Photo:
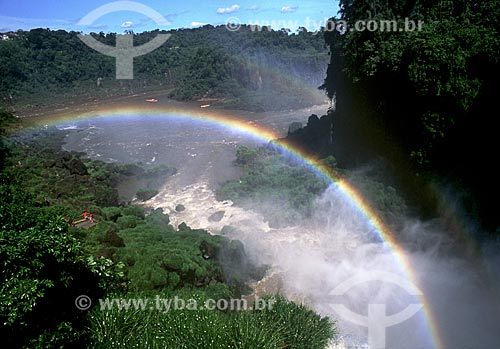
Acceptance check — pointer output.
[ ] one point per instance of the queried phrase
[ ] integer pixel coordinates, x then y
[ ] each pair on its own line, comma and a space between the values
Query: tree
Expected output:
43, 271
428, 90
6, 119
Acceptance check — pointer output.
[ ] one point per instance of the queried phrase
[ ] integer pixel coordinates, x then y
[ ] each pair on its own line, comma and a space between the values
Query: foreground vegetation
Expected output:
285, 325
50, 257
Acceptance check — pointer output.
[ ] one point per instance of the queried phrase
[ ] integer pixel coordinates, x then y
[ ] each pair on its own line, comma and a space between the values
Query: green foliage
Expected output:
134, 211
245, 155
383, 198
6, 119
159, 257
179, 329
41, 66
43, 270
58, 177
46, 265
281, 189
421, 97
126, 222
146, 193
158, 218
285, 325
154, 254
435, 70
112, 213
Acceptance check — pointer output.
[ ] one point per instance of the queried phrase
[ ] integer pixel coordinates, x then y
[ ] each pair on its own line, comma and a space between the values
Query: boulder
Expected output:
216, 217
76, 166
183, 227
208, 250
293, 127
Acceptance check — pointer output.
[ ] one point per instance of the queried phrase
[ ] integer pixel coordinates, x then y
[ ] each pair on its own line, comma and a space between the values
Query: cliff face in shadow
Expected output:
421, 100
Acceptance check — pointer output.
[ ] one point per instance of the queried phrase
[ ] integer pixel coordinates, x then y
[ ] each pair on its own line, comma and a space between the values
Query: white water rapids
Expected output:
313, 256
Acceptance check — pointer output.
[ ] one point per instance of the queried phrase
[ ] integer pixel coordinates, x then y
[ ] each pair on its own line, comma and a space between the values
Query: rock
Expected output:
208, 250
294, 126
183, 226
216, 217
130, 170
180, 208
76, 166
65, 156
146, 193
227, 229
49, 163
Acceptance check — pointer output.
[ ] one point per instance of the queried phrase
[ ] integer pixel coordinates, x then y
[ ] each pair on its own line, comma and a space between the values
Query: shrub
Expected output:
125, 222
146, 193
287, 325
111, 213
43, 271
135, 211
245, 155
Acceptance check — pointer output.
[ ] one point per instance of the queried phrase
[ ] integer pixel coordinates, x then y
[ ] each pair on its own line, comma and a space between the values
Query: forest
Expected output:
426, 99
421, 102
49, 256
46, 67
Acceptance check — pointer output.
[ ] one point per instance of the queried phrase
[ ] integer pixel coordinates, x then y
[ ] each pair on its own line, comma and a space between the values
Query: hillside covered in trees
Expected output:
423, 101
240, 68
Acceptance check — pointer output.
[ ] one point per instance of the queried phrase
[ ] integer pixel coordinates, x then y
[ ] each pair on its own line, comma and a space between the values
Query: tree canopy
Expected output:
430, 92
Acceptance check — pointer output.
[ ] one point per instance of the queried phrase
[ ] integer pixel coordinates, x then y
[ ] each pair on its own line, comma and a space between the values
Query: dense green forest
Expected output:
50, 256
424, 99
242, 68
283, 190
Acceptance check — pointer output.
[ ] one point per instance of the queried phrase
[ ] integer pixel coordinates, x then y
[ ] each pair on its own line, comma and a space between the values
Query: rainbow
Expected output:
255, 131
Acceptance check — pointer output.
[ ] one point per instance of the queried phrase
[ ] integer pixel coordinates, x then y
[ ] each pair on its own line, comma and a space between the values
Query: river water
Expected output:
312, 258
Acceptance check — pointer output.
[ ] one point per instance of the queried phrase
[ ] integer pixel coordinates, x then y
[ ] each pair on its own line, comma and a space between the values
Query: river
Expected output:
313, 257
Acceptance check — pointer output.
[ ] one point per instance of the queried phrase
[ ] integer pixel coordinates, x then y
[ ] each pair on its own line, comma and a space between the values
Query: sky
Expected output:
119, 16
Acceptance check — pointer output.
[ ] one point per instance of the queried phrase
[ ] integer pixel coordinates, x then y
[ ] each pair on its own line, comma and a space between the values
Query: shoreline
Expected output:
139, 99
277, 121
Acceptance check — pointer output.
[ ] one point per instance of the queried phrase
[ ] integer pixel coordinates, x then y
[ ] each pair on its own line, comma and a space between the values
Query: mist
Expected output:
337, 244
311, 256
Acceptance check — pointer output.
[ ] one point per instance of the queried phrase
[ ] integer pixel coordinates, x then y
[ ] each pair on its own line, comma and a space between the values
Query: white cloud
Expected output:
252, 8
198, 24
288, 9
231, 9
14, 23
127, 24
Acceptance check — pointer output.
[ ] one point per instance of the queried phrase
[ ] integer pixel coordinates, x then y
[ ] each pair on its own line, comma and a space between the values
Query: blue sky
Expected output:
66, 14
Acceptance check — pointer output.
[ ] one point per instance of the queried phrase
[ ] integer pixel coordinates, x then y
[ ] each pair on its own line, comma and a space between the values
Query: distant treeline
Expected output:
44, 66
